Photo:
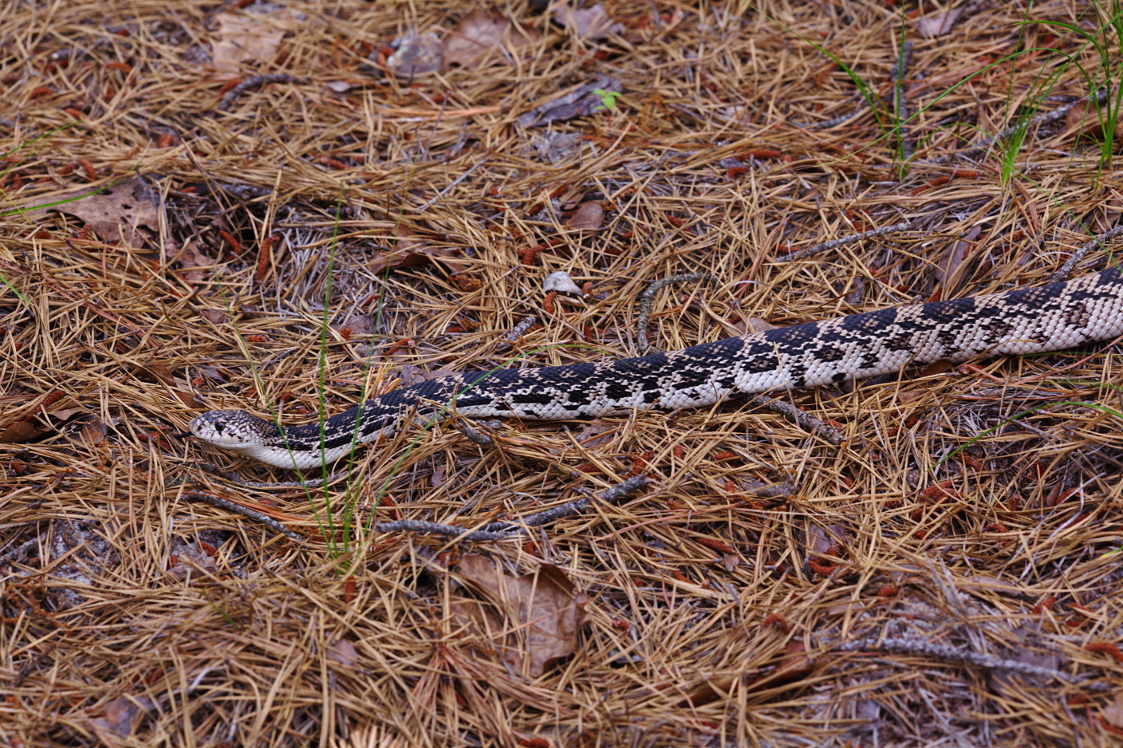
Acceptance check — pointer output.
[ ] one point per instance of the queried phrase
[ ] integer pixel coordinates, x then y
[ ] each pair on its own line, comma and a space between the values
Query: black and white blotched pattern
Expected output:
1043, 318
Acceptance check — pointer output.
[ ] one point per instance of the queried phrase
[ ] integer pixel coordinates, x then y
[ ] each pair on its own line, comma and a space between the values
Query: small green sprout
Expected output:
607, 99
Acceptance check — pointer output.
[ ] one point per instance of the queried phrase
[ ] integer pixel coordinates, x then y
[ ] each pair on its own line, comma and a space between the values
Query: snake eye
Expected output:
220, 426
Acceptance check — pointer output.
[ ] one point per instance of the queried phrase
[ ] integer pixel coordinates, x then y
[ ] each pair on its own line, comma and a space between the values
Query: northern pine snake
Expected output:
1042, 318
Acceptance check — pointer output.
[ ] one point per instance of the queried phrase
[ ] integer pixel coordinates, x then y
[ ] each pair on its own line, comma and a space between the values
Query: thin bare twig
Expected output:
948, 653
645, 303
515, 333
610, 496
436, 528
800, 254
1082, 250
507, 530
256, 81
245, 511
1041, 119
431, 201
802, 418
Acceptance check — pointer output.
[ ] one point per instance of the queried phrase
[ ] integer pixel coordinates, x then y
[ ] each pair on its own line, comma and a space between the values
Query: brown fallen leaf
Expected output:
115, 213
590, 23
343, 652
411, 252
118, 718
580, 102
159, 370
217, 316
543, 607
1113, 712
18, 432
479, 34
93, 433
588, 217
356, 326
250, 37
482, 618
952, 264
794, 666
188, 560
938, 24
189, 399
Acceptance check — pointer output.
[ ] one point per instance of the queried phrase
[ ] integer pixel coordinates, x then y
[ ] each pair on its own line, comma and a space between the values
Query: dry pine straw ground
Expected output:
704, 610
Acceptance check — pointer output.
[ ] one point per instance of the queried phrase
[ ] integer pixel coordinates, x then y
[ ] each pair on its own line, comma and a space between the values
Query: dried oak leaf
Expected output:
116, 213
543, 607
195, 265
587, 23
938, 24
580, 102
118, 718
248, 36
588, 217
412, 252
1113, 712
480, 33
20, 431
792, 668
343, 652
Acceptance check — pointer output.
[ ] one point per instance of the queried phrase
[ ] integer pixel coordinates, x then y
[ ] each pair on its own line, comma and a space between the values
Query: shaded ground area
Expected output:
304, 203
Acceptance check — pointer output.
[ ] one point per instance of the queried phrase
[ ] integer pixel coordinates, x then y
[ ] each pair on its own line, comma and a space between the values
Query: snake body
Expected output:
1042, 318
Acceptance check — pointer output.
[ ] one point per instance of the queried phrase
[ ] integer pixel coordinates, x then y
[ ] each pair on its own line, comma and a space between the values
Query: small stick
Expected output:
516, 332
832, 122
245, 511
429, 203
802, 418
256, 81
611, 496
1084, 249
954, 654
507, 530
436, 528
800, 254
476, 436
1041, 119
645, 302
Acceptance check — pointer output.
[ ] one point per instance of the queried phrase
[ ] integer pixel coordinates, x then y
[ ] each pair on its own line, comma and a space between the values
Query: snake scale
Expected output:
1042, 318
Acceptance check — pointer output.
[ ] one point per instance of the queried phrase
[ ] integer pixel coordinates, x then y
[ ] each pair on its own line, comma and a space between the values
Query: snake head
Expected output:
234, 429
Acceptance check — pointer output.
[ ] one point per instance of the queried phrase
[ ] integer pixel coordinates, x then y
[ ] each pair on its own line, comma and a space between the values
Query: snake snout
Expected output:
224, 428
